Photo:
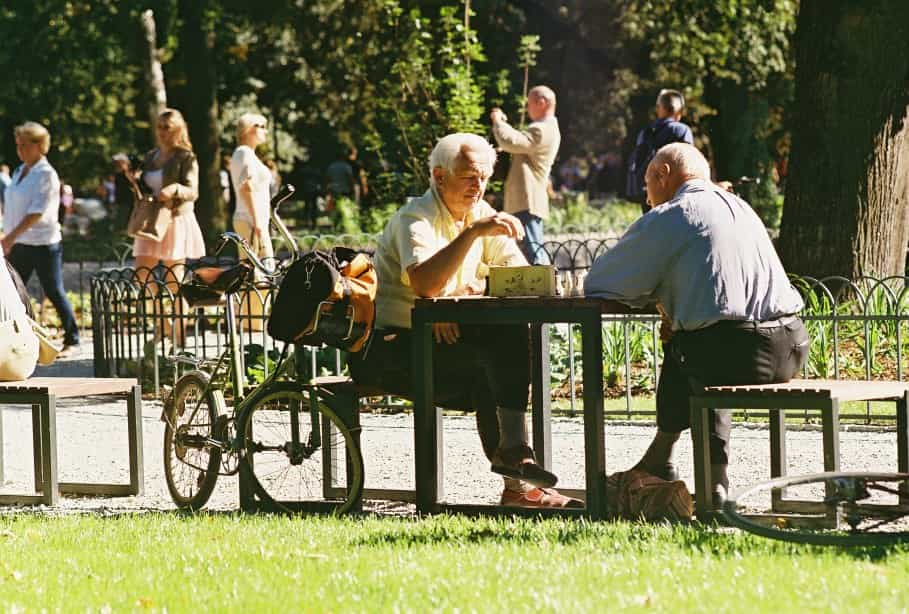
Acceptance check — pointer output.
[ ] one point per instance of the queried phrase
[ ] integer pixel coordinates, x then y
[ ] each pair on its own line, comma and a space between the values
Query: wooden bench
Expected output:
823, 395
42, 394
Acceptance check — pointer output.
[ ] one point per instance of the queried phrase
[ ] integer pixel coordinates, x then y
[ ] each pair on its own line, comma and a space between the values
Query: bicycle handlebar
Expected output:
243, 245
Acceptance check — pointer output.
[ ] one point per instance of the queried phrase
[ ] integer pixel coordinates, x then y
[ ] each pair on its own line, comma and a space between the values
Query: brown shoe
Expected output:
539, 497
519, 463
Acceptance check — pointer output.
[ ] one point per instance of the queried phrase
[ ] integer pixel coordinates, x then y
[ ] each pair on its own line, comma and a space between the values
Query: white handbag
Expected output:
18, 350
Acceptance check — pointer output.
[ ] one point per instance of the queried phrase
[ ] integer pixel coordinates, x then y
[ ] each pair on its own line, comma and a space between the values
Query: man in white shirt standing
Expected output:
532, 153
442, 244
704, 257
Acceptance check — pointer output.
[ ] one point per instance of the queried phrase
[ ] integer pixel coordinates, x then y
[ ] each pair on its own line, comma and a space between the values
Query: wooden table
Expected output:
537, 312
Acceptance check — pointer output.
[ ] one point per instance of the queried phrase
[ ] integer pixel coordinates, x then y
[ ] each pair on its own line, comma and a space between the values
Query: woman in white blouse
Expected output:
33, 242
251, 179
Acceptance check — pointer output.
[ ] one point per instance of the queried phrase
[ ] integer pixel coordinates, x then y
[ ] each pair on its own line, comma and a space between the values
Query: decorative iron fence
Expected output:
856, 326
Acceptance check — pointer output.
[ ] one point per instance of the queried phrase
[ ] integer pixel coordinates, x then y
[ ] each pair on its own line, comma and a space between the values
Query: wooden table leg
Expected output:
48, 435
594, 437
902, 443
427, 421
541, 412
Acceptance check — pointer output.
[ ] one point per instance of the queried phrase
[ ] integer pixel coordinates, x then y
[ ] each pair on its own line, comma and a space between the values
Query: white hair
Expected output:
684, 159
448, 150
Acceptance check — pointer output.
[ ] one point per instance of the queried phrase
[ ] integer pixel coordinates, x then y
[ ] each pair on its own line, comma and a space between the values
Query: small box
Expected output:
531, 280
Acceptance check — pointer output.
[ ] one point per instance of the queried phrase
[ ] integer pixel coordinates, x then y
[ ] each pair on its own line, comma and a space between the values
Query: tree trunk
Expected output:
154, 76
846, 197
201, 112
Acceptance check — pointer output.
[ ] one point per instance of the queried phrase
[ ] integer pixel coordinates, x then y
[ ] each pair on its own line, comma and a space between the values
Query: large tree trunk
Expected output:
154, 76
846, 197
202, 112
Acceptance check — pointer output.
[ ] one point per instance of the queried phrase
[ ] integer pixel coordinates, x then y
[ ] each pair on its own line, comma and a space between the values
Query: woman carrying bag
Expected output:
170, 174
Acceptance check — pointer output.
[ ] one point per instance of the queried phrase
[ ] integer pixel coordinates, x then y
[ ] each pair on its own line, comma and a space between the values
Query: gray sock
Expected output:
661, 450
512, 428
719, 478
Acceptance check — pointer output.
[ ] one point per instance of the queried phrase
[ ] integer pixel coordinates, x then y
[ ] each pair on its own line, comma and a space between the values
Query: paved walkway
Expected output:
92, 447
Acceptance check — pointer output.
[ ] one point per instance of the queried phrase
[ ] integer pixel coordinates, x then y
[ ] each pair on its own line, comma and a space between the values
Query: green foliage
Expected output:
574, 213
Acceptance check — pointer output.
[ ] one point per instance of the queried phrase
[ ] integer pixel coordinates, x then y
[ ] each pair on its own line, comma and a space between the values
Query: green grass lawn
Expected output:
219, 563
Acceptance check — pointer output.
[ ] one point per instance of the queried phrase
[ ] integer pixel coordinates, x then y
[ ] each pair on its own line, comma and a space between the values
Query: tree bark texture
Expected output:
847, 194
197, 37
154, 76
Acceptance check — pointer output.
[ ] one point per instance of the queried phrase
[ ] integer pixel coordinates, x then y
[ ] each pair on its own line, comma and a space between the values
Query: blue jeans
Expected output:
47, 261
532, 246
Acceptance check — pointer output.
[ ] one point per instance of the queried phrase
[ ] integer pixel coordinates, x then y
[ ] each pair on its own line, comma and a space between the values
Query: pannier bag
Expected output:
326, 297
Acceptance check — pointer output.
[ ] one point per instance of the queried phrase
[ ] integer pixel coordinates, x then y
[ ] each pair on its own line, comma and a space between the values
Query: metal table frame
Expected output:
537, 312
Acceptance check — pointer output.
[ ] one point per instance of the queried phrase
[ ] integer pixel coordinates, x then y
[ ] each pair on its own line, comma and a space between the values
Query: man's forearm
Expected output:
428, 278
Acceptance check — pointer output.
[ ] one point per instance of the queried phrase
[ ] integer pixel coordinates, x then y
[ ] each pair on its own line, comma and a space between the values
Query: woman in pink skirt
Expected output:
170, 173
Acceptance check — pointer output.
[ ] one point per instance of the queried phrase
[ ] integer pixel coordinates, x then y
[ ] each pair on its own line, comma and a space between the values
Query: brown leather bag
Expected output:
149, 219
638, 495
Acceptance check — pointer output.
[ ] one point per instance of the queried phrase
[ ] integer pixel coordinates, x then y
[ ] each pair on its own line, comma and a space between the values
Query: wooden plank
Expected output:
67, 387
857, 390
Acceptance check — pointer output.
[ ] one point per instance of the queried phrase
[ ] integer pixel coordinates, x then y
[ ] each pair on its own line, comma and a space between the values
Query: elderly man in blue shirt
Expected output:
729, 312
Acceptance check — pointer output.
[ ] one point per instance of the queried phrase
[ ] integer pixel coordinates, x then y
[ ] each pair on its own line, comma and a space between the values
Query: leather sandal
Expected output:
539, 497
519, 463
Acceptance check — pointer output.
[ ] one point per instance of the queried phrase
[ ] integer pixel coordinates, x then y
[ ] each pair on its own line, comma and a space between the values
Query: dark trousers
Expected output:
489, 367
726, 353
47, 261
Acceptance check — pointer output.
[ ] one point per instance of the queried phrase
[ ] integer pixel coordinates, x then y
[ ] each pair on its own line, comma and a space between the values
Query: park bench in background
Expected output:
823, 395
41, 393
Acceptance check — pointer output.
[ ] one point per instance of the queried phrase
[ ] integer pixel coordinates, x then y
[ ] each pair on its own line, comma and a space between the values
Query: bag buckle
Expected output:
351, 315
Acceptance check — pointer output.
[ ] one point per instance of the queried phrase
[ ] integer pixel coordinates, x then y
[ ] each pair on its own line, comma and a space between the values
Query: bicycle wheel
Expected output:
296, 456
827, 509
190, 460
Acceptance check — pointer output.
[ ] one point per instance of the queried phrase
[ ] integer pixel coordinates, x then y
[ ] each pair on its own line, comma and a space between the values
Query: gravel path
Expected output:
91, 437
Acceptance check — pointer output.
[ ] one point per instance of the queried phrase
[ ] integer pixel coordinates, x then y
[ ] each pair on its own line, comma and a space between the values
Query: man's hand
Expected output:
499, 224
7, 242
497, 115
446, 332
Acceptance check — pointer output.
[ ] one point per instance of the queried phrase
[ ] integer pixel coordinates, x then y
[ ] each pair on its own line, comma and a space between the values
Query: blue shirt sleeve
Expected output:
633, 268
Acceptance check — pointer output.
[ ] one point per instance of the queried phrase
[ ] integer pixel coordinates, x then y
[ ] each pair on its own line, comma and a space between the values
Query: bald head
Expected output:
541, 103
673, 165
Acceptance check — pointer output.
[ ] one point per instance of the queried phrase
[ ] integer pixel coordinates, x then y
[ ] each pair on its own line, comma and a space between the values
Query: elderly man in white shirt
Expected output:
441, 244
704, 258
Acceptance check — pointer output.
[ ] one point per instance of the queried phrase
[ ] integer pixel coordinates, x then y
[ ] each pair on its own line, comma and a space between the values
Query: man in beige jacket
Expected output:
532, 153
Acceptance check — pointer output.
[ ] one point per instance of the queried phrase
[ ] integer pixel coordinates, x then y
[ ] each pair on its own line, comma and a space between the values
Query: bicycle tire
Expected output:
785, 530
191, 472
291, 479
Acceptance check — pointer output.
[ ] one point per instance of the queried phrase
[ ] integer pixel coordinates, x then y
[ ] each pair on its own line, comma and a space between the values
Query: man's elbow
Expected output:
422, 286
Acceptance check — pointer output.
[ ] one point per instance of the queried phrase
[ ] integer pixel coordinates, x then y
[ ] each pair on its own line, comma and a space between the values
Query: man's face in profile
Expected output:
656, 180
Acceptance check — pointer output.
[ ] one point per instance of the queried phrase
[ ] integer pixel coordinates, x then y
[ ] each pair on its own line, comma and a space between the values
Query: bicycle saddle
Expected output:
209, 285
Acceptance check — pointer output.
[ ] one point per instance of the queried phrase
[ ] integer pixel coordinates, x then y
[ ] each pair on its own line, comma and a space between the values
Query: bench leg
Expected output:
428, 457
700, 431
37, 451
777, 453
48, 457
902, 443
594, 428
134, 427
2, 476
831, 426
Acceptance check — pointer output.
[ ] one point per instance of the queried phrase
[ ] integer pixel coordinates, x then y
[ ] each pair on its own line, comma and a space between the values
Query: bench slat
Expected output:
862, 390
65, 387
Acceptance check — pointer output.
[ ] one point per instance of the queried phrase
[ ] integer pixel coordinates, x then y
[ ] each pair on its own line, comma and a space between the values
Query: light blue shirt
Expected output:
39, 192
704, 256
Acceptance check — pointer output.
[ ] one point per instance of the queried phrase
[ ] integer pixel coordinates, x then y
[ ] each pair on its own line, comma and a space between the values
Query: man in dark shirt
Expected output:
666, 129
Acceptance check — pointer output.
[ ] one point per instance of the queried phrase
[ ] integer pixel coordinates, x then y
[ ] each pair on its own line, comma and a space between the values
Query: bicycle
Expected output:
281, 435
845, 509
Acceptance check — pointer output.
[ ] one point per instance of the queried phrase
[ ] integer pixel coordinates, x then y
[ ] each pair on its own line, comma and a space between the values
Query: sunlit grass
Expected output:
257, 563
